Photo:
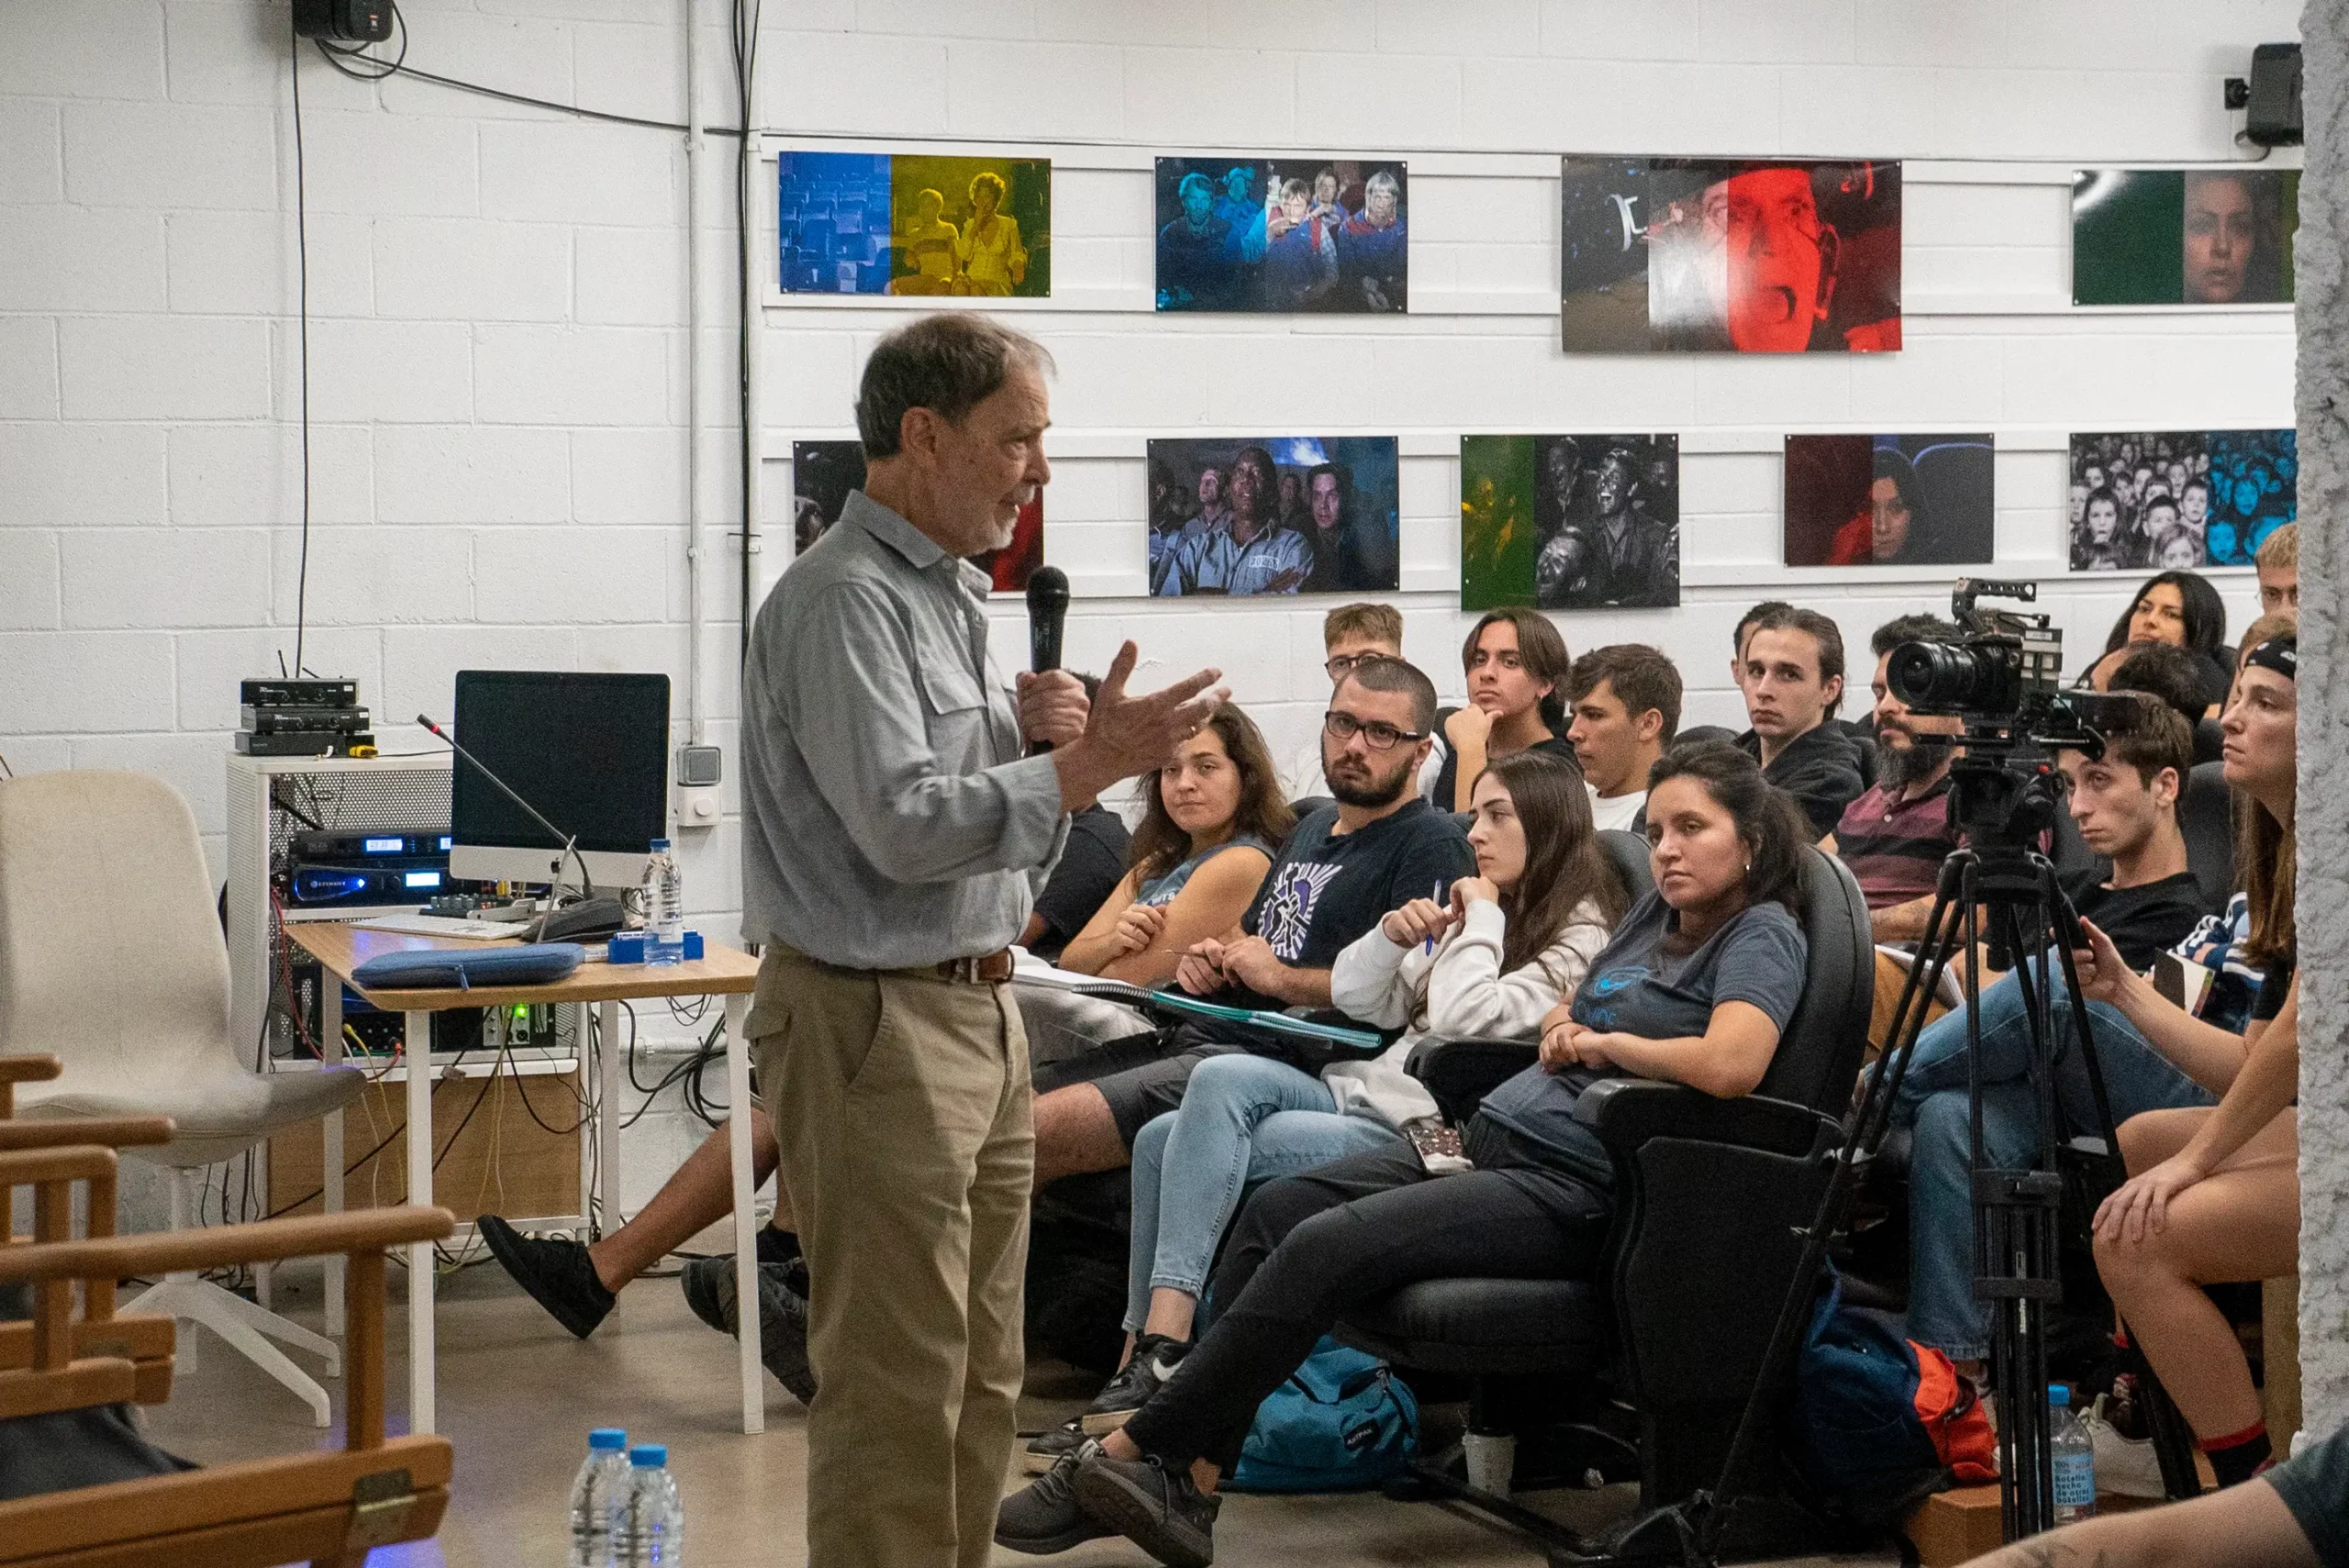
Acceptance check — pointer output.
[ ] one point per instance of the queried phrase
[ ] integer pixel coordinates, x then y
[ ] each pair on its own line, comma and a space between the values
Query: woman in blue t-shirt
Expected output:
1694, 987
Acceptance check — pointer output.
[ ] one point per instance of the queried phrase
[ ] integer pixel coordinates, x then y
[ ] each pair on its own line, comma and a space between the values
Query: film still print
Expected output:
877, 223
1730, 256
2173, 500
1570, 522
2184, 236
823, 472
1890, 501
1273, 515
1284, 235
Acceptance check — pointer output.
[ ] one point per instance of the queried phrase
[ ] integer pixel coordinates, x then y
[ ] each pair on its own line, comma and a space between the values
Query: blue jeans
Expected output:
1244, 1118
1942, 1311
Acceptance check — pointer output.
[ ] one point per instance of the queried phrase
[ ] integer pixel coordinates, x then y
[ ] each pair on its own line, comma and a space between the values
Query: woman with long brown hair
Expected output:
1212, 820
1509, 943
2214, 1194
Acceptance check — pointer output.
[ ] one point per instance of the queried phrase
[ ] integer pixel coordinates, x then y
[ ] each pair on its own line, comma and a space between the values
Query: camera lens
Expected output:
1932, 675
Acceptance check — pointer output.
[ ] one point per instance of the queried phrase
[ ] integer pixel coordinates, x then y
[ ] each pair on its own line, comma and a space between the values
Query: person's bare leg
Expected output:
1075, 1132
700, 1195
1171, 1312
2240, 1223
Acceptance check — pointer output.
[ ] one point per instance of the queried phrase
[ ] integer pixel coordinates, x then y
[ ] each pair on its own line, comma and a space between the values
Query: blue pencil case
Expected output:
452, 969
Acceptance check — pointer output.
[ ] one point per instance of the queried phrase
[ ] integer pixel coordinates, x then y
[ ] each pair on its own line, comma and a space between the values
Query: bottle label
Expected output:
2074, 1481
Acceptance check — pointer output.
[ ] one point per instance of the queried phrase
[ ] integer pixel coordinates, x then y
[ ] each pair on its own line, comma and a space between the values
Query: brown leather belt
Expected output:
987, 969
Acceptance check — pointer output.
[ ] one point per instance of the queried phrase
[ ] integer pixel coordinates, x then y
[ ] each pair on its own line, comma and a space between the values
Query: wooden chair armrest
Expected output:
30, 1069
115, 1133
176, 1251
78, 1161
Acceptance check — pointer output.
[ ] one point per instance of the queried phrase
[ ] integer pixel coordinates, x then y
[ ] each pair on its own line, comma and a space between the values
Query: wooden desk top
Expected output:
339, 948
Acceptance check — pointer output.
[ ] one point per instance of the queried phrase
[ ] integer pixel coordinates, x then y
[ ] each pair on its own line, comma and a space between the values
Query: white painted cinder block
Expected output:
572, 375
169, 155
32, 156
398, 372
27, 368
105, 49
471, 269
164, 367
165, 577
80, 473
376, 576
472, 473
81, 259
28, 581
250, 476
55, 679
581, 174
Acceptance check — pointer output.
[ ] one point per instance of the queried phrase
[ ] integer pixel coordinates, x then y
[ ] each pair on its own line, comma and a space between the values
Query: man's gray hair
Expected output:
1383, 177
948, 363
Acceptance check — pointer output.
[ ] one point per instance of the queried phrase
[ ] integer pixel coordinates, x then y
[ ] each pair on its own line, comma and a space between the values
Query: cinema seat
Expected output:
1711, 1194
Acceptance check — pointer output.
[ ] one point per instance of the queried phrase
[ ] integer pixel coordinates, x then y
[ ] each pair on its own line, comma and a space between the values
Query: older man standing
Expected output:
894, 836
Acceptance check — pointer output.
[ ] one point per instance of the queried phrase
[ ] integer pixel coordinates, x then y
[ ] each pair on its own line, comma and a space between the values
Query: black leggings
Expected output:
1308, 1248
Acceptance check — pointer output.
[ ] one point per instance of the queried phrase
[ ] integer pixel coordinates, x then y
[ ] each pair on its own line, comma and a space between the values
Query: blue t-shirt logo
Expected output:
1287, 913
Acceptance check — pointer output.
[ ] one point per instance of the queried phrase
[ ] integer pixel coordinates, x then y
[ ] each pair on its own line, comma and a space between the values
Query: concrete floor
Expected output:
517, 1396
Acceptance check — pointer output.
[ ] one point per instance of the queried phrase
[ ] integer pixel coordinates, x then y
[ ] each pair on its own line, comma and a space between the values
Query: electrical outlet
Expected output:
699, 771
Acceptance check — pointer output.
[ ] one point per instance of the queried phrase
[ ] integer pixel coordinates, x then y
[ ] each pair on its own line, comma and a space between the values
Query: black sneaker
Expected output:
1047, 1448
557, 1274
1156, 1508
1154, 1359
1042, 1516
708, 1284
781, 1247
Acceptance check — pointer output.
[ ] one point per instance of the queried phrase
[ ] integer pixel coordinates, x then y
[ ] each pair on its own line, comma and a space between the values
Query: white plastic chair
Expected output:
112, 960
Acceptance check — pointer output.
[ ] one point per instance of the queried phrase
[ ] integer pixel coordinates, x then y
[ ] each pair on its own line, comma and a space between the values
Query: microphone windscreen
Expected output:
1047, 608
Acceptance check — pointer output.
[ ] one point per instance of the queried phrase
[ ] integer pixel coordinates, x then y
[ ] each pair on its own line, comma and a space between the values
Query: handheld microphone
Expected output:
1047, 609
570, 841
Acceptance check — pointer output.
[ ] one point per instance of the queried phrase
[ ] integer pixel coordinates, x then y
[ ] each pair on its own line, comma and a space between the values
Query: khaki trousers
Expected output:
904, 1122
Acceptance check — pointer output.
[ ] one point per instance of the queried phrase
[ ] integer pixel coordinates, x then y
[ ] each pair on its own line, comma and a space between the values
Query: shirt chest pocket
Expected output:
954, 711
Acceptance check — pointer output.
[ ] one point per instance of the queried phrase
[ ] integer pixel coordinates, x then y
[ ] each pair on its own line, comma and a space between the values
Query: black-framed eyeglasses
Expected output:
1340, 666
1378, 737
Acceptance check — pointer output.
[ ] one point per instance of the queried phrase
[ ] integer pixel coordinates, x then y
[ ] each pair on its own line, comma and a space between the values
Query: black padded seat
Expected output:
1487, 1326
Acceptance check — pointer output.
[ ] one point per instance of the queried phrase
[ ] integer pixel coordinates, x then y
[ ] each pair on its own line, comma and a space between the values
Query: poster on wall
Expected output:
1282, 235
1750, 256
823, 472
1890, 501
2173, 500
1570, 522
2184, 236
1273, 515
914, 224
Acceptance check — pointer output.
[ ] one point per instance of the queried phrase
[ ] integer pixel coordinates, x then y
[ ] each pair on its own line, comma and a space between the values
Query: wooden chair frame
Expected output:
328, 1509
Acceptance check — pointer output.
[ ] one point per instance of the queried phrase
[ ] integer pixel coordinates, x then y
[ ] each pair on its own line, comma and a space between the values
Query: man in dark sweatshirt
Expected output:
1794, 683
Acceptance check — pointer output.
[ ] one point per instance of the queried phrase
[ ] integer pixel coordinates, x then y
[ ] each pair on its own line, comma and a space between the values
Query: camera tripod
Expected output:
2003, 880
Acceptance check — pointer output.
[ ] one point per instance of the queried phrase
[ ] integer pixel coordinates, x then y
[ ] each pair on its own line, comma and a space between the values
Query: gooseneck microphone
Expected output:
1047, 609
570, 841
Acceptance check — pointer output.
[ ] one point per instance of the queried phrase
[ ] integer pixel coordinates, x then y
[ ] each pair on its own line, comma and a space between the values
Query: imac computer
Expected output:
590, 750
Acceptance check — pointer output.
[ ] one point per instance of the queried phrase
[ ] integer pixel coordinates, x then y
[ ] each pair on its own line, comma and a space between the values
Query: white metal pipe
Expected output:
695, 555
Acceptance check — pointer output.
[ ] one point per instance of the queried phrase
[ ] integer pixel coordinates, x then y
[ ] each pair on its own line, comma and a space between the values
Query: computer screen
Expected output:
589, 749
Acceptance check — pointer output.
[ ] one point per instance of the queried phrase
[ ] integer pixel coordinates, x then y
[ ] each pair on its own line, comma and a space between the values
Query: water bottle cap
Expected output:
2059, 1396
607, 1437
648, 1456
660, 846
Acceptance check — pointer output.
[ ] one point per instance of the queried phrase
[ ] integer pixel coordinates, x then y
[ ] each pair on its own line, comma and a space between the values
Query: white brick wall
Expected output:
498, 360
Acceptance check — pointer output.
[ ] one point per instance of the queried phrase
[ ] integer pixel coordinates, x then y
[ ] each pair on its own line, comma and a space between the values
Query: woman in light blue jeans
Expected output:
1499, 953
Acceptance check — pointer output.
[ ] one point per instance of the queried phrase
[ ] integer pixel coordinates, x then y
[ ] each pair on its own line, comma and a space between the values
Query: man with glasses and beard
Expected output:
1896, 835
1344, 868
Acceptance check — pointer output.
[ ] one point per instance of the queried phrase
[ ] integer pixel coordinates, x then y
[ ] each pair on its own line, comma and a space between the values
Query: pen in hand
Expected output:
1436, 898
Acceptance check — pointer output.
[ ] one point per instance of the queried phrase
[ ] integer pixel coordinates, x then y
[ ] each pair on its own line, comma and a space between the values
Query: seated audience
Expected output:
1626, 703
1694, 987
1509, 943
1344, 868
2290, 1518
2125, 808
2182, 609
2214, 1194
2278, 560
1517, 667
2161, 671
1350, 634
1792, 683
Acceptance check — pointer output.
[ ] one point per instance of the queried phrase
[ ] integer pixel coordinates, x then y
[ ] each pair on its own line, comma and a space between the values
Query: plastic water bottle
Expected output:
2075, 1459
649, 1530
664, 907
595, 1491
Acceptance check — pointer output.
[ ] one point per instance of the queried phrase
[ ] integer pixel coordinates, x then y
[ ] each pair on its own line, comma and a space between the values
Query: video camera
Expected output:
2004, 679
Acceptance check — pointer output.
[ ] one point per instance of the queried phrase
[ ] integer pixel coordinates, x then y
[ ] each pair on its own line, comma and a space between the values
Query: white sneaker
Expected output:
2125, 1467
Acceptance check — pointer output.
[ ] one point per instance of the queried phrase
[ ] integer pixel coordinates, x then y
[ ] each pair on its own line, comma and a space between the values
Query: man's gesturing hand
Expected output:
1128, 735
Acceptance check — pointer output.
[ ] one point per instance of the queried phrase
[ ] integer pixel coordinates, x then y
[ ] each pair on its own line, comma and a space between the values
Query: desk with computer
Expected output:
558, 792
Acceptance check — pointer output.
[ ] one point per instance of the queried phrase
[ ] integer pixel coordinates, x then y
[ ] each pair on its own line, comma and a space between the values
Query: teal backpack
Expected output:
1341, 1423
